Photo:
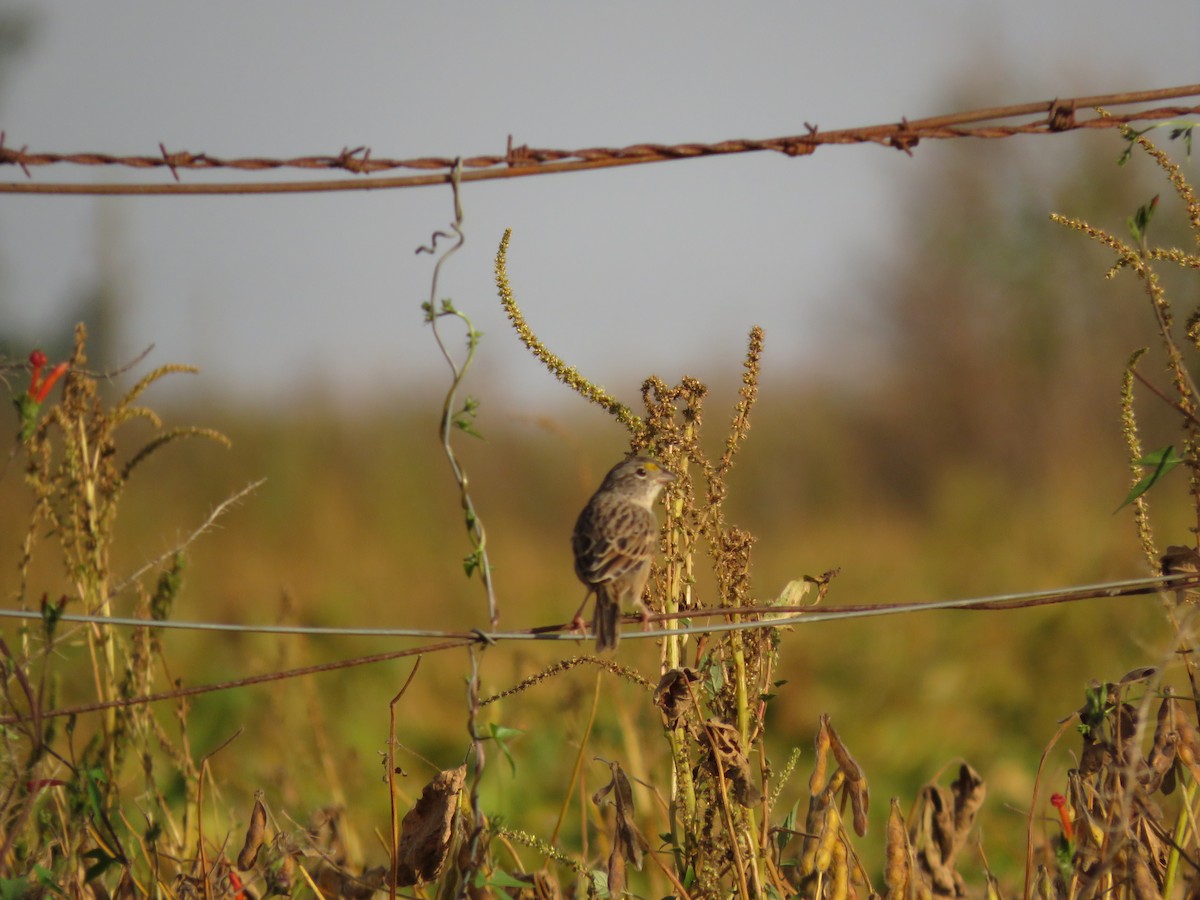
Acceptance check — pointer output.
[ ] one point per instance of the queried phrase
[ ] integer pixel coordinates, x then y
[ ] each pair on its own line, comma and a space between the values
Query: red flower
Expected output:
1059, 802
38, 389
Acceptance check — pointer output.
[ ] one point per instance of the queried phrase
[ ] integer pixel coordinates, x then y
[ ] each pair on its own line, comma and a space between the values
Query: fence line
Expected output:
780, 615
1058, 115
459, 640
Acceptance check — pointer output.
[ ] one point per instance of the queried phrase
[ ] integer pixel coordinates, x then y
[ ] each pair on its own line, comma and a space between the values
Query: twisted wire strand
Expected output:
445, 640
1058, 115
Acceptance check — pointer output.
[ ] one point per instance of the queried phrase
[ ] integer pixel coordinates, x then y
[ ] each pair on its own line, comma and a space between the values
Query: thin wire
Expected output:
452, 641
1059, 116
784, 616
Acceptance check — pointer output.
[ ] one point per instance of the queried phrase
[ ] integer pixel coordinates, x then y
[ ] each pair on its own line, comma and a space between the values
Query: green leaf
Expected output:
1160, 462
92, 779
501, 734
14, 888
103, 862
1095, 707
785, 833
47, 880
1138, 222
466, 427
499, 878
716, 679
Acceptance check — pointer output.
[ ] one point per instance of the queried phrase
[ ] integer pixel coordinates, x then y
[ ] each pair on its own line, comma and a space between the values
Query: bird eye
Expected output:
641, 471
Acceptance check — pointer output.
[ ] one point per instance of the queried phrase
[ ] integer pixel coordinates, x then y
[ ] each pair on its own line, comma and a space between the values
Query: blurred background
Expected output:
939, 405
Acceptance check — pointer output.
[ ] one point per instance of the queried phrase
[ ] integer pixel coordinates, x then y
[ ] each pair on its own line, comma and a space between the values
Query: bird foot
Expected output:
578, 624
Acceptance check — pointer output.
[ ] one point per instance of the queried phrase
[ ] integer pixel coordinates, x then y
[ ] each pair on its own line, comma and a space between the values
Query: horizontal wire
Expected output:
523, 160
452, 641
783, 615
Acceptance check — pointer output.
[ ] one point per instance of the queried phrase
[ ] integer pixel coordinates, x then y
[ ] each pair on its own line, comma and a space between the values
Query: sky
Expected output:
661, 268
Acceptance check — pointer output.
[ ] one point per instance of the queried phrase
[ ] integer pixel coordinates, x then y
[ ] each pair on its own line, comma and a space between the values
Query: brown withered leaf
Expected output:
860, 802
724, 745
829, 741
1141, 673
364, 886
542, 885
1096, 755
842, 755
673, 694
427, 830
1180, 561
1160, 765
941, 829
325, 830
627, 842
255, 833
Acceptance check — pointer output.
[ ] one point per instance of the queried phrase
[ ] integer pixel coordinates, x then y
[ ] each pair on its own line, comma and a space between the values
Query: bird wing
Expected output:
626, 543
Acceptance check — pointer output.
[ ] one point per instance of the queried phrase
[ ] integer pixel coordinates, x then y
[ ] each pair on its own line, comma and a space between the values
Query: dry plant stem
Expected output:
680, 890
394, 846
207, 525
727, 813
1033, 802
179, 693
577, 768
568, 375
200, 851
476, 848
1183, 822
1133, 444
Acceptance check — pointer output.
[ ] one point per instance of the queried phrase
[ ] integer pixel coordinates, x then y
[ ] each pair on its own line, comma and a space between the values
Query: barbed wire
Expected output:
782, 616
1058, 115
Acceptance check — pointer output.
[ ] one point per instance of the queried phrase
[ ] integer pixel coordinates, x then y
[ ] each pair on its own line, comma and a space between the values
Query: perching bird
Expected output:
615, 540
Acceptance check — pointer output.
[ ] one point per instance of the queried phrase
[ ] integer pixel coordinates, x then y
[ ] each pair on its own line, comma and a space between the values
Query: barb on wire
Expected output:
784, 616
1056, 116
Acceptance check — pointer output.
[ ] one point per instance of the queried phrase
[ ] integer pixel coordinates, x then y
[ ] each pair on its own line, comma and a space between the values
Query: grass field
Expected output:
913, 486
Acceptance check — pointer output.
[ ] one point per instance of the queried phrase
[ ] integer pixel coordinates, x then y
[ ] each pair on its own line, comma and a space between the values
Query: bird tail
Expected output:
608, 614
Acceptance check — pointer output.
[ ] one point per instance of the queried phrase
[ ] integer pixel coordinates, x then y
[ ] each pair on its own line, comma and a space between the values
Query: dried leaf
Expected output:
1180, 561
627, 842
254, 834
860, 802
1139, 674
1160, 765
1096, 755
428, 828
944, 825
724, 743
673, 694
969, 793
542, 885
842, 755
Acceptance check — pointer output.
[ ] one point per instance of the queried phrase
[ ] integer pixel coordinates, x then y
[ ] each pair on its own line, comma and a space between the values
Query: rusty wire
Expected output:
781, 616
1055, 116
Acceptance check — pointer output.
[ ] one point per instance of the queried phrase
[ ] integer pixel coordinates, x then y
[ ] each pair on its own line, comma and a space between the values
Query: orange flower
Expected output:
38, 389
